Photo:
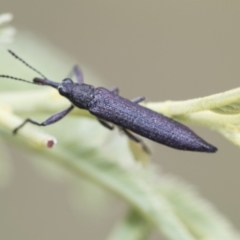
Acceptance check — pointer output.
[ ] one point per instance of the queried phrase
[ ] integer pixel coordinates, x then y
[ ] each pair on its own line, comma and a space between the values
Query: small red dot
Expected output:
50, 143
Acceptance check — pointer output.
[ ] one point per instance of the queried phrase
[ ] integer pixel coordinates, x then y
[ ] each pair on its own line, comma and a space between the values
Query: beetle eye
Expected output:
67, 80
62, 90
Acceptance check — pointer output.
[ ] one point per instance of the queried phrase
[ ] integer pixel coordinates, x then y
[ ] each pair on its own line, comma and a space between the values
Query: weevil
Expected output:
111, 109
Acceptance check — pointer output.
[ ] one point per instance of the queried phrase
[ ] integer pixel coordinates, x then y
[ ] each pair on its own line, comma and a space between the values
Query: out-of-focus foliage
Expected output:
6, 36
6, 32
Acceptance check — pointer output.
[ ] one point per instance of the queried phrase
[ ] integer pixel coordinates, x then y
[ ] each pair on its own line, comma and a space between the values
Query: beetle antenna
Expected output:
15, 78
25, 63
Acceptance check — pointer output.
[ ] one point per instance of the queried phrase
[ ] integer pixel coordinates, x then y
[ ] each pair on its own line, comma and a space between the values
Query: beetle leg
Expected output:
105, 124
136, 139
76, 71
52, 119
138, 99
114, 90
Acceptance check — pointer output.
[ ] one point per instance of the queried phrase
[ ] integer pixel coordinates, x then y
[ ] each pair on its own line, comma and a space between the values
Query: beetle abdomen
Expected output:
146, 122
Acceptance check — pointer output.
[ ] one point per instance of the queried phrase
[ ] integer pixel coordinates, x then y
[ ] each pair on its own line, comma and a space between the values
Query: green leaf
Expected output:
6, 32
225, 103
133, 227
219, 112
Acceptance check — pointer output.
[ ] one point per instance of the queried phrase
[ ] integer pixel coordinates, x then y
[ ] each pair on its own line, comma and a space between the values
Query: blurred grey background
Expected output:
160, 49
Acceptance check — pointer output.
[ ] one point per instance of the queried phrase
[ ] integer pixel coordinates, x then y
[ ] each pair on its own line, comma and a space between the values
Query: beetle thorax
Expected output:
81, 95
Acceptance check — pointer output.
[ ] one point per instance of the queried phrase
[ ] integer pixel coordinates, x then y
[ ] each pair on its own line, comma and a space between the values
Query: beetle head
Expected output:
65, 88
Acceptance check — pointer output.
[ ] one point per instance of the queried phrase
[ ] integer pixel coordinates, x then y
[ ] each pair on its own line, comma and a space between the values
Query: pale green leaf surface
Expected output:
6, 36
6, 32
225, 103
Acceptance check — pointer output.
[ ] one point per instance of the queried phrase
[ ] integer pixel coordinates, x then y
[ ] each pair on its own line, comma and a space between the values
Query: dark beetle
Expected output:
109, 107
